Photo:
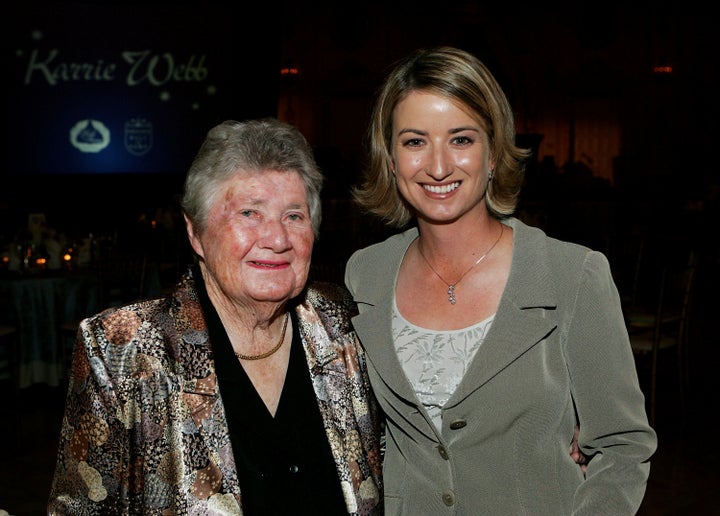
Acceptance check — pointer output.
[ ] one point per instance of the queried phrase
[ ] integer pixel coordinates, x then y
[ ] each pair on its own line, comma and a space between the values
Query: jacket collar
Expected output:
524, 317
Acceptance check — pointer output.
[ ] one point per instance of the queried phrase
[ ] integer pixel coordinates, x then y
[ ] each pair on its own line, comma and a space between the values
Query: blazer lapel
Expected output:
374, 328
525, 316
374, 297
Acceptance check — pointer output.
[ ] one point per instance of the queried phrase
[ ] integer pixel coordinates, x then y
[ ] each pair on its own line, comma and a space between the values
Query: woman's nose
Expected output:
440, 165
275, 236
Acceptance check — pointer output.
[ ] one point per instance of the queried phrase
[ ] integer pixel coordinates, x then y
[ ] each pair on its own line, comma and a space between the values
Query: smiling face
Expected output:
441, 157
258, 240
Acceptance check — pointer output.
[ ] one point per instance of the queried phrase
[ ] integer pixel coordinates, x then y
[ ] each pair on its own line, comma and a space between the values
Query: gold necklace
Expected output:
273, 350
451, 286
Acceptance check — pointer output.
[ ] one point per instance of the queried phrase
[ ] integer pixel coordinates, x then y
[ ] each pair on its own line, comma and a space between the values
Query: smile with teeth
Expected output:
442, 189
267, 265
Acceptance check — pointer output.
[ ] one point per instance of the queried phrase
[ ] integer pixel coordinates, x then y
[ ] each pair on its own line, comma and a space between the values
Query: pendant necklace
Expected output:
451, 286
273, 350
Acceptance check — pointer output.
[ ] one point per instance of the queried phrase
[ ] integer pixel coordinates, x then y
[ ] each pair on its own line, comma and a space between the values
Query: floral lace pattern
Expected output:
435, 361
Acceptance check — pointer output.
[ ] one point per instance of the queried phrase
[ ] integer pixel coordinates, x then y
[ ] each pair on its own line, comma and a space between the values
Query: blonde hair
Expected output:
461, 77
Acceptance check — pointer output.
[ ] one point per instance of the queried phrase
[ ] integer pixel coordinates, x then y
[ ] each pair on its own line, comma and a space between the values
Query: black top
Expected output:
284, 463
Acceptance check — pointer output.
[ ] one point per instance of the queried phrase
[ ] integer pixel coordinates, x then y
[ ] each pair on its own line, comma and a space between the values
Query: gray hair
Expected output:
234, 147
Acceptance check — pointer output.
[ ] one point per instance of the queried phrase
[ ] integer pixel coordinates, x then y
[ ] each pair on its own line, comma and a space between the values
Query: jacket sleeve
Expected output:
92, 436
614, 429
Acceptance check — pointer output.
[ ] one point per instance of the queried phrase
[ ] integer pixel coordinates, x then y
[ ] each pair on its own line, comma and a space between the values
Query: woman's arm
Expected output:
614, 429
93, 467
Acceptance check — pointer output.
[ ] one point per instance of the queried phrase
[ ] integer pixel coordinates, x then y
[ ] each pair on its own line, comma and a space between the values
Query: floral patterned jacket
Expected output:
145, 430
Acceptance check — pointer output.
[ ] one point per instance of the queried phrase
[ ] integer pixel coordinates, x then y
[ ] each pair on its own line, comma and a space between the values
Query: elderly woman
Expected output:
243, 391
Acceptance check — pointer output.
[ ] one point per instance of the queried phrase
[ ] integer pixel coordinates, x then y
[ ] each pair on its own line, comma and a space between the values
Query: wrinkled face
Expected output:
441, 157
258, 239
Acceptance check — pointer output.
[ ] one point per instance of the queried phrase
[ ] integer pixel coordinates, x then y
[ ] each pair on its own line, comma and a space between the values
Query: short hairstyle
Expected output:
234, 147
464, 79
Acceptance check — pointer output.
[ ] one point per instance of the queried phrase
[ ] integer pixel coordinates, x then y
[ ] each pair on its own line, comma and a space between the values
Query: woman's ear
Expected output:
193, 237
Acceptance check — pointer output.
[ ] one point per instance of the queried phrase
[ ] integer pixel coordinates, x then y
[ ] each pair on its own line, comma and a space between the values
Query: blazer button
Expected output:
457, 425
448, 497
443, 452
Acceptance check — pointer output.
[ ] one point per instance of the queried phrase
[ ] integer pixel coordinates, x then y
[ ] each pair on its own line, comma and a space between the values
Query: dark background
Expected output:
205, 67
624, 153
605, 125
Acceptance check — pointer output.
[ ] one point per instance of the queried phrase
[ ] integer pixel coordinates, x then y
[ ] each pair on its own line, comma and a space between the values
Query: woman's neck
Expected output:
458, 239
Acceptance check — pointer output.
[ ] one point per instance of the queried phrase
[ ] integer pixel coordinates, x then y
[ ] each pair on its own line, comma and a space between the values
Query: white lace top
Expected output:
435, 361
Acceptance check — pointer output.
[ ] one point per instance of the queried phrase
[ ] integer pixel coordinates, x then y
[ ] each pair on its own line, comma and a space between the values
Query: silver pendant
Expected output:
451, 294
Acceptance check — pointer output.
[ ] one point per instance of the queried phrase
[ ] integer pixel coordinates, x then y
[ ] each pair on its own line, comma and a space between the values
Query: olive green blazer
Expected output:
557, 351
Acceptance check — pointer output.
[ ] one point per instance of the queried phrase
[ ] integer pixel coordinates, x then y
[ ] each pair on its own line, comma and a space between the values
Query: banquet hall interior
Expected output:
618, 104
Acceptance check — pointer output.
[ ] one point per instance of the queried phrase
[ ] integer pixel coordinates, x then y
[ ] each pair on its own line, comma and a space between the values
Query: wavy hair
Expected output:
464, 79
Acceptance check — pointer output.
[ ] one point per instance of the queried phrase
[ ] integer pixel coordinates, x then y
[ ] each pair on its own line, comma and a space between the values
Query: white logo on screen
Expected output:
89, 136
138, 136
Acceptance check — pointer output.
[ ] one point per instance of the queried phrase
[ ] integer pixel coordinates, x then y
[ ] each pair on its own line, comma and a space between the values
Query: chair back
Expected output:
676, 287
663, 322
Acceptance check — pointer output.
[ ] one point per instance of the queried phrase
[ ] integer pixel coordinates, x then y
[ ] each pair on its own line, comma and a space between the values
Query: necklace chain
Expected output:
451, 286
273, 350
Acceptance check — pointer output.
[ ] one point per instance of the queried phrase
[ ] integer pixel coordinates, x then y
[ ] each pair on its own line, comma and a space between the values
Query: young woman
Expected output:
488, 342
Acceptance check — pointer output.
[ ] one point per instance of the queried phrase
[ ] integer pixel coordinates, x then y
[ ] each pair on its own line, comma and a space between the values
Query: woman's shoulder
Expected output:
141, 308
565, 258
328, 292
120, 324
184, 294
332, 303
535, 238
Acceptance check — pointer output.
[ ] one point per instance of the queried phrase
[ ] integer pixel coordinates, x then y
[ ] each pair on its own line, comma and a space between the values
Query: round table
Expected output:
41, 302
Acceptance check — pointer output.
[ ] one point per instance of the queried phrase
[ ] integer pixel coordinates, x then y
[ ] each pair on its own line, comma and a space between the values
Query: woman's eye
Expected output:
462, 140
247, 213
413, 142
295, 216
